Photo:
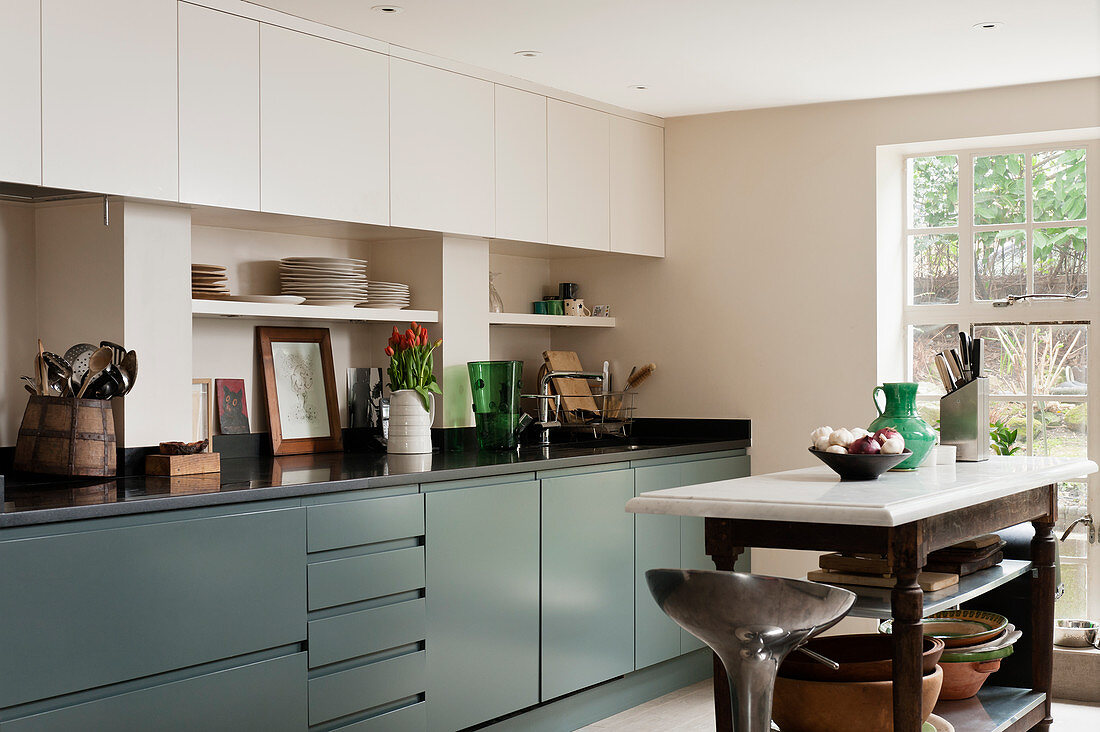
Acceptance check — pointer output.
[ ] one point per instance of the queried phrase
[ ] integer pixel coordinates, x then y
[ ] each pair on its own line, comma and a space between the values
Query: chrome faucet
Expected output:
544, 397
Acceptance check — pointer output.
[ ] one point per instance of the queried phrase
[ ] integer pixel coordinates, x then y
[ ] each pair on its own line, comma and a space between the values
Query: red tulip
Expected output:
423, 339
423, 330
415, 326
439, 343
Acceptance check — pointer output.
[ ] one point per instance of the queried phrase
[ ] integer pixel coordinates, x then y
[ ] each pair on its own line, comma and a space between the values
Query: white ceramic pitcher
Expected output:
410, 424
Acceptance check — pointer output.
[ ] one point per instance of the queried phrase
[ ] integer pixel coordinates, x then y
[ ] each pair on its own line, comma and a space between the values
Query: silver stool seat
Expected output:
751, 622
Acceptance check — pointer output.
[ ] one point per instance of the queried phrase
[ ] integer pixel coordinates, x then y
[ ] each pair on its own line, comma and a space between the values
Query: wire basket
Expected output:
613, 416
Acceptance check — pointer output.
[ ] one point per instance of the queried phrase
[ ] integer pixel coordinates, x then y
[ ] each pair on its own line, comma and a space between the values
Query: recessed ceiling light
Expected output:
638, 87
387, 9
988, 25
528, 54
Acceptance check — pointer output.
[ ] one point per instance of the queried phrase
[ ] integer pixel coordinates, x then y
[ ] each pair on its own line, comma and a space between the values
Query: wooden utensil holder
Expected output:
66, 436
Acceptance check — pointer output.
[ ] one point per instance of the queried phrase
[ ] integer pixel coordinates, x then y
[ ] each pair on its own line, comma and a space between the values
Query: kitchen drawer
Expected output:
340, 581
105, 605
268, 696
346, 692
413, 718
368, 631
353, 523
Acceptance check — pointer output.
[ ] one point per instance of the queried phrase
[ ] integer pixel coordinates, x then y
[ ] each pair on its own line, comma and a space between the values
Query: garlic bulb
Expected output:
842, 437
838, 449
894, 446
858, 432
819, 438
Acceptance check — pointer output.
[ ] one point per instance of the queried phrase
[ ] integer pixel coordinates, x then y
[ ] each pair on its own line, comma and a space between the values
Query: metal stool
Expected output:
751, 622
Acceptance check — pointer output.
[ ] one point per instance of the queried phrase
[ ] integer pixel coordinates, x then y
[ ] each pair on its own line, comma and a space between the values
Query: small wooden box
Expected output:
203, 462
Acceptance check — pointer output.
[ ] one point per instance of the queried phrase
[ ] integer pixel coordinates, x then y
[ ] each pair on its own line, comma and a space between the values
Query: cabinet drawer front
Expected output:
340, 581
347, 692
708, 471
268, 695
367, 631
413, 718
353, 523
98, 607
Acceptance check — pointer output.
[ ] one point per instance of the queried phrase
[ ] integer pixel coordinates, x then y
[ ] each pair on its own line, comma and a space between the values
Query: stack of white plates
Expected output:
325, 280
393, 295
209, 282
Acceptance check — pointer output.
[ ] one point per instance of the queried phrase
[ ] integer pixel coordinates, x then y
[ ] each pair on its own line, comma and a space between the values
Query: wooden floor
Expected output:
690, 710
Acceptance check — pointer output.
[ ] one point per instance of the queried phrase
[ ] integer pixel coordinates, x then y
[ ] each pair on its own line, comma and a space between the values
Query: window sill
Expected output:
1075, 674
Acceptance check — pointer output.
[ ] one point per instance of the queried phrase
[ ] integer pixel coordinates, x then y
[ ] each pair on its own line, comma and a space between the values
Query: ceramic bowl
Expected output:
831, 706
862, 657
859, 467
963, 679
959, 628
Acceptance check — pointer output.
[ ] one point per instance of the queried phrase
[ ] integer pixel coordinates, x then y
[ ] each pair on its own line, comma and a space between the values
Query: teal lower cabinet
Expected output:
367, 619
267, 695
672, 541
587, 578
482, 566
104, 601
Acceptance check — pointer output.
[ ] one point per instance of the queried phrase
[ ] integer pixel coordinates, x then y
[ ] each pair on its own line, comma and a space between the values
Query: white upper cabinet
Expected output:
324, 133
441, 150
578, 178
520, 165
219, 98
637, 187
20, 90
109, 97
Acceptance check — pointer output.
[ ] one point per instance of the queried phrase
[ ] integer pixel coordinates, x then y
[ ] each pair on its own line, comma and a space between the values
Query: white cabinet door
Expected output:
109, 97
441, 150
324, 131
20, 90
219, 97
637, 187
578, 177
520, 165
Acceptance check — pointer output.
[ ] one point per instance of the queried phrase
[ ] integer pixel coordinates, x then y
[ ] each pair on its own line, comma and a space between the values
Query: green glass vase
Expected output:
901, 414
495, 387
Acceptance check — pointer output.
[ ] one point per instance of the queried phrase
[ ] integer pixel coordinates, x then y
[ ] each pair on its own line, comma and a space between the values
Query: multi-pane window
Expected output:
982, 228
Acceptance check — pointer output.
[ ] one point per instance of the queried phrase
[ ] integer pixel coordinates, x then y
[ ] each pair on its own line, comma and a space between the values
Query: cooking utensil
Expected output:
977, 353
129, 368
964, 352
58, 372
40, 372
78, 356
957, 368
117, 351
945, 372
954, 368
97, 362
31, 391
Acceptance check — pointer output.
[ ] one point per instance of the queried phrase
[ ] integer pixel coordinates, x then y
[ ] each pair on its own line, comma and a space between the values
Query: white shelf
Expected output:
568, 321
235, 309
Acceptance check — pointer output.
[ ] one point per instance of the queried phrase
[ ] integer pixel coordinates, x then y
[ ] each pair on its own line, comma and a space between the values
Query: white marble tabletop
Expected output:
818, 495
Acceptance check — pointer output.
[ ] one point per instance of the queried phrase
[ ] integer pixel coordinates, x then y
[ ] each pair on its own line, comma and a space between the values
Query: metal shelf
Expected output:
994, 709
874, 602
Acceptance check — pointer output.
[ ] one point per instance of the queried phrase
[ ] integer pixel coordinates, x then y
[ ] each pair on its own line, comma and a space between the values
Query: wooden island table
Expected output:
903, 516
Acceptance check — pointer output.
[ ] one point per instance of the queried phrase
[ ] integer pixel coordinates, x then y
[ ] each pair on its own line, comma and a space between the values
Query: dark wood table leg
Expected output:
1043, 548
724, 557
907, 606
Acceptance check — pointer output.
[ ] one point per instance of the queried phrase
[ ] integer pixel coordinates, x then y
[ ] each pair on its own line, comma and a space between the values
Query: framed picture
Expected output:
232, 406
300, 389
202, 411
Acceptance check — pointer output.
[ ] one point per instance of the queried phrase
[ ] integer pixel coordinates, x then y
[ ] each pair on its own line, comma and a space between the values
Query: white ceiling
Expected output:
709, 55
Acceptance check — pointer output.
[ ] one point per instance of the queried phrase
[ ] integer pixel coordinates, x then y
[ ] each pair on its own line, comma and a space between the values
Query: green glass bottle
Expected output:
901, 414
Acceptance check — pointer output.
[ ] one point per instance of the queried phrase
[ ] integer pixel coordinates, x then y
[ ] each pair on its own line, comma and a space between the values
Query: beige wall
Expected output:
18, 313
765, 306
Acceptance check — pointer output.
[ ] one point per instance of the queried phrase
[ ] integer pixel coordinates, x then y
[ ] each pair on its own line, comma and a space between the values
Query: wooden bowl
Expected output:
860, 467
862, 657
844, 706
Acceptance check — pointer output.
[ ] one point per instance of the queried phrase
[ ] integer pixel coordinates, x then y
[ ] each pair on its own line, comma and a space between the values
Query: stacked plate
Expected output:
209, 282
393, 295
333, 281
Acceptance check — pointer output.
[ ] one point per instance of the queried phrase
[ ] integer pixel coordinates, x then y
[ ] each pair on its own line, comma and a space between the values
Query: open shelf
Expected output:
874, 602
567, 321
994, 709
236, 309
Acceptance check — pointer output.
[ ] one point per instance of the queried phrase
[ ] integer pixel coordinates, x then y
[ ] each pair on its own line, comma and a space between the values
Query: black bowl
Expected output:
860, 467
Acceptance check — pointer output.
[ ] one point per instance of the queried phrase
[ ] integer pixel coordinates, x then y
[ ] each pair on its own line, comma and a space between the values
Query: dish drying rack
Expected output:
613, 415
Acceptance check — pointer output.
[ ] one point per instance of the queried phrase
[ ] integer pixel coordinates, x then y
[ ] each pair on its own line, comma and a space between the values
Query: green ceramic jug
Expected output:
901, 414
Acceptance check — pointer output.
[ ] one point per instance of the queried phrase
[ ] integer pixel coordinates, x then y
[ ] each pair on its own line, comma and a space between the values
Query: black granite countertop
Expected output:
42, 499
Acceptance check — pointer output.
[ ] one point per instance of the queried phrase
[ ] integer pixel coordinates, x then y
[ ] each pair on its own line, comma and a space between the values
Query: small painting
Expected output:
232, 406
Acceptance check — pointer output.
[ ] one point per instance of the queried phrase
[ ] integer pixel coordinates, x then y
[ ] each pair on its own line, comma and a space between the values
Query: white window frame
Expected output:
969, 312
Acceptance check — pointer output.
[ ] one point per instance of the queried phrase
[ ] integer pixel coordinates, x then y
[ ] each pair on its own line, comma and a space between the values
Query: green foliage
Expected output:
1003, 439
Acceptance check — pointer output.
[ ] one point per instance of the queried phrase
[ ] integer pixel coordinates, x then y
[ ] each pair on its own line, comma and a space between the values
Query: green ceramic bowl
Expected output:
958, 628
978, 657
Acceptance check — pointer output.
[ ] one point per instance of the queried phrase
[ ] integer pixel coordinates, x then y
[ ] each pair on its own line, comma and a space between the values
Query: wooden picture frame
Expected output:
300, 390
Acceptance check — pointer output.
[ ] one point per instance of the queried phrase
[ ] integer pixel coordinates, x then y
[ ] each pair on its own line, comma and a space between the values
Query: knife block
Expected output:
964, 420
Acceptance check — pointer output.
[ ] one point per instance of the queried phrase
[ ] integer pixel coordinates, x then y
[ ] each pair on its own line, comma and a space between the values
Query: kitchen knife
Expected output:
977, 353
964, 351
945, 373
955, 363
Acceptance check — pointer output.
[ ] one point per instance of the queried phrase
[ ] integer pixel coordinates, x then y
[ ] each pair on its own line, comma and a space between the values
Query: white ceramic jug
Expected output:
410, 424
